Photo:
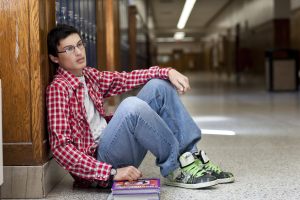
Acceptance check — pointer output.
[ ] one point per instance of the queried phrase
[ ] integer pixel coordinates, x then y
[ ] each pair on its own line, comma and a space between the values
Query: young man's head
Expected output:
66, 49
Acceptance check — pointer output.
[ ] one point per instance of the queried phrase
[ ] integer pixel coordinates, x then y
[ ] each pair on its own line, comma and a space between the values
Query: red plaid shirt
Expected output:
70, 137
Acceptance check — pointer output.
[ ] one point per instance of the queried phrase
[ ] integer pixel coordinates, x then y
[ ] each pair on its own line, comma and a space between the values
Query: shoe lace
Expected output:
212, 167
194, 170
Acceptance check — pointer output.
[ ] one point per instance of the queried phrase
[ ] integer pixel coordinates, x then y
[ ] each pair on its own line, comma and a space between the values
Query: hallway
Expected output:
226, 47
263, 154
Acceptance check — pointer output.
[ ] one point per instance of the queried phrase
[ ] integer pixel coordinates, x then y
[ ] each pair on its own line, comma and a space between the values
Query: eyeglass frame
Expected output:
72, 50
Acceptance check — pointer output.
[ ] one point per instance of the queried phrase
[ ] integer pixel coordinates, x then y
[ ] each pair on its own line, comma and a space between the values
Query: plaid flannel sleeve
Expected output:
65, 153
114, 83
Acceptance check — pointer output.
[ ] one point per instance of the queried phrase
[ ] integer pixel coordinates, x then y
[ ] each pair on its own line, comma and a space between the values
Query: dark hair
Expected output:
61, 31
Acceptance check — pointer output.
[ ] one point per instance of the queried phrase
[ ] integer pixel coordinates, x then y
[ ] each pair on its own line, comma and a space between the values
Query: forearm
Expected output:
80, 164
114, 83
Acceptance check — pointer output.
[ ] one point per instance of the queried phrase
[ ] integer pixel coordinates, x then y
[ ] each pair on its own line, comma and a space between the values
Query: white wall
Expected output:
253, 12
141, 7
295, 4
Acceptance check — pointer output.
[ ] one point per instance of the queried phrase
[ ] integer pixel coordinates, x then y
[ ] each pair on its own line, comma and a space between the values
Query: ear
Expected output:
53, 58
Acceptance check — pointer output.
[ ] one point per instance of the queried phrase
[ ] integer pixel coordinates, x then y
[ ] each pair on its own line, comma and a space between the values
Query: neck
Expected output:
77, 73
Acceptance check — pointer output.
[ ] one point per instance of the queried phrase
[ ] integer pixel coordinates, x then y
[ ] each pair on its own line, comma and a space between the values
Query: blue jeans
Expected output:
155, 120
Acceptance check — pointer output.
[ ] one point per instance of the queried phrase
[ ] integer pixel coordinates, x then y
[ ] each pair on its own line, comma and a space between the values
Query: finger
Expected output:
129, 178
133, 176
137, 173
134, 172
184, 85
178, 85
188, 84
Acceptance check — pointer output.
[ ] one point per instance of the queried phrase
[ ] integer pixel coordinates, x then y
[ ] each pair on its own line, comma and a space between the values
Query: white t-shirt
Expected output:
97, 123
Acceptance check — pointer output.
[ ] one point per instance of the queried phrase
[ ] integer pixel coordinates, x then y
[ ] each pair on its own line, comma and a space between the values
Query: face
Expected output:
75, 61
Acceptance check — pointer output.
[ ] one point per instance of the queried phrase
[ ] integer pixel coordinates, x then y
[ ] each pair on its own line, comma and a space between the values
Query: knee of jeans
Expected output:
160, 84
133, 105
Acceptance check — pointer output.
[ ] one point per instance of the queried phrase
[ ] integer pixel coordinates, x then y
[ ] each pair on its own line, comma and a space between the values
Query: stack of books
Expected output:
141, 189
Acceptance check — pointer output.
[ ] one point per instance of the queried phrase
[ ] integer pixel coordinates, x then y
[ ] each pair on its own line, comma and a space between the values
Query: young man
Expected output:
95, 149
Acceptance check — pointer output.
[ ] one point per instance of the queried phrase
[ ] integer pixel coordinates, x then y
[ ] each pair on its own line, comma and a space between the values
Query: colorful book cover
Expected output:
140, 186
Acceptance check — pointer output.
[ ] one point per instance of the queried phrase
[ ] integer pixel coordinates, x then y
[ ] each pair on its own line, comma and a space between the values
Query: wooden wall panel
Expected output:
101, 47
111, 34
25, 74
282, 33
47, 22
132, 35
112, 41
14, 70
39, 74
116, 34
37, 109
257, 42
295, 30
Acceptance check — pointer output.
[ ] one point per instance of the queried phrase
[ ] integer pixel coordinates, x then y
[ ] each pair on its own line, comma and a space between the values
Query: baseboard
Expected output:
28, 182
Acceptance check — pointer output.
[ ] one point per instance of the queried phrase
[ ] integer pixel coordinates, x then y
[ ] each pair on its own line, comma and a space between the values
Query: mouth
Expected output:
80, 60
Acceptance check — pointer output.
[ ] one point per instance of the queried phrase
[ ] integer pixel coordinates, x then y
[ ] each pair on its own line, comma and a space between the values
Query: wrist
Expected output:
170, 70
113, 173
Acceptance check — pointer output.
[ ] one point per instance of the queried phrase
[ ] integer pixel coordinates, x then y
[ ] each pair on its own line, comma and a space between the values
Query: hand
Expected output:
129, 173
180, 81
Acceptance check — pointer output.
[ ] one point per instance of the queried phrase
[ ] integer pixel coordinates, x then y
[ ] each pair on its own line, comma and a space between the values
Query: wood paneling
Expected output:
25, 74
111, 40
39, 73
132, 35
116, 34
37, 104
295, 30
282, 33
14, 70
101, 47
18, 154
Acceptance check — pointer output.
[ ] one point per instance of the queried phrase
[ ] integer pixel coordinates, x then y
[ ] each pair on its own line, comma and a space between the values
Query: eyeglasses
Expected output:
71, 48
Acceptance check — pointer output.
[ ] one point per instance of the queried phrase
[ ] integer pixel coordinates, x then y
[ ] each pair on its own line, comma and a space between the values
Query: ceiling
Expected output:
166, 14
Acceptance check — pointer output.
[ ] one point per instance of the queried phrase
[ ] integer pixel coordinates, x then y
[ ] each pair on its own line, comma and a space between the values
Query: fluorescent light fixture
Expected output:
179, 35
171, 39
217, 132
187, 9
165, 39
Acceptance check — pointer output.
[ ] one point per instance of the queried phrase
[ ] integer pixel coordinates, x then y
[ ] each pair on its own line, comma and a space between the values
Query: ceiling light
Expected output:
171, 39
187, 9
179, 35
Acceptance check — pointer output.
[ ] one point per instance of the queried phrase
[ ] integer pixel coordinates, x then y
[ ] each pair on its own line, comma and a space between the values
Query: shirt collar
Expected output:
71, 78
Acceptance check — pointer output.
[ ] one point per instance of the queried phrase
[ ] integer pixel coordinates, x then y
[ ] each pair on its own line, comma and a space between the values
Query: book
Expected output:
141, 189
136, 197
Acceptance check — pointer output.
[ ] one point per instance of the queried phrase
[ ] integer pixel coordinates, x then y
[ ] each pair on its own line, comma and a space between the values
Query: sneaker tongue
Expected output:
186, 159
204, 158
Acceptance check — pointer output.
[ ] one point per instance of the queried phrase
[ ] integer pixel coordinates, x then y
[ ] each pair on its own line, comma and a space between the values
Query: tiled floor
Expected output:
263, 155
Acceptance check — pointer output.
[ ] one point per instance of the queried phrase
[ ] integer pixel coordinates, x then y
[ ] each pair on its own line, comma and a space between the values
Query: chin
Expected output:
81, 66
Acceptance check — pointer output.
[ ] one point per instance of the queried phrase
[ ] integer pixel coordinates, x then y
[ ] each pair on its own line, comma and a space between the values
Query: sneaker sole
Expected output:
226, 180
192, 186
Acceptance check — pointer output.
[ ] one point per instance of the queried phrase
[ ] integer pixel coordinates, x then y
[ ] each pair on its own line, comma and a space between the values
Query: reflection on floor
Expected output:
263, 154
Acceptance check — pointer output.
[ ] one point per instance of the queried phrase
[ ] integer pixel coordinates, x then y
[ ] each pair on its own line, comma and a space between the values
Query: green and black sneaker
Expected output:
202, 160
190, 175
